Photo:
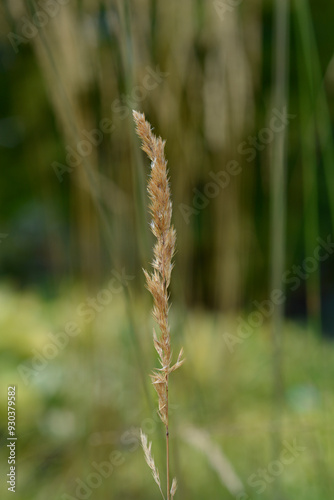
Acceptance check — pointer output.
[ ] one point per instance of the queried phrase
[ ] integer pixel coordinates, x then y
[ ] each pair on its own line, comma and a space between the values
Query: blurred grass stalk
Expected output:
70, 86
319, 134
316, 131
138, 176
278, 212
316, 82
307, 103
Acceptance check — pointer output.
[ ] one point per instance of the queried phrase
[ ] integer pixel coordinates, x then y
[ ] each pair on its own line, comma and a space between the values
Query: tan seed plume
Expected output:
158, 281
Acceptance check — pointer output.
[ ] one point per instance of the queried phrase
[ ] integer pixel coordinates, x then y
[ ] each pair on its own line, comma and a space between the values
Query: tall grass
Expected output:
158, 282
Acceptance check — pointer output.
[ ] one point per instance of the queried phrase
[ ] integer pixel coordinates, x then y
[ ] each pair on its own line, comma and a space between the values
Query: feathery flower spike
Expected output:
158, 281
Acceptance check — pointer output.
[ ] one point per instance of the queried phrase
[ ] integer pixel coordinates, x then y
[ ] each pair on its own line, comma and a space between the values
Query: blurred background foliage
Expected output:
72, 211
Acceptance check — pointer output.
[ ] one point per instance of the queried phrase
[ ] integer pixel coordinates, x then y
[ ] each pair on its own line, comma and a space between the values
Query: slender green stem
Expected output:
167, 442
278, 209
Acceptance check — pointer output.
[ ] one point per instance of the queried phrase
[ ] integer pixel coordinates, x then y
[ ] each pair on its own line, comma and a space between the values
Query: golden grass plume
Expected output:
158, 281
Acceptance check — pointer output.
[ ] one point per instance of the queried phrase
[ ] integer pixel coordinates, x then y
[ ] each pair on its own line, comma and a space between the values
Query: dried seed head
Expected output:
150, 460
158, 281
161, 210
173, 488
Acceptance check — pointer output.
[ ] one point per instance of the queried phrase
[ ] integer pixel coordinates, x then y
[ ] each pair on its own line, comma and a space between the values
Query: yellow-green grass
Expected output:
89, 401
